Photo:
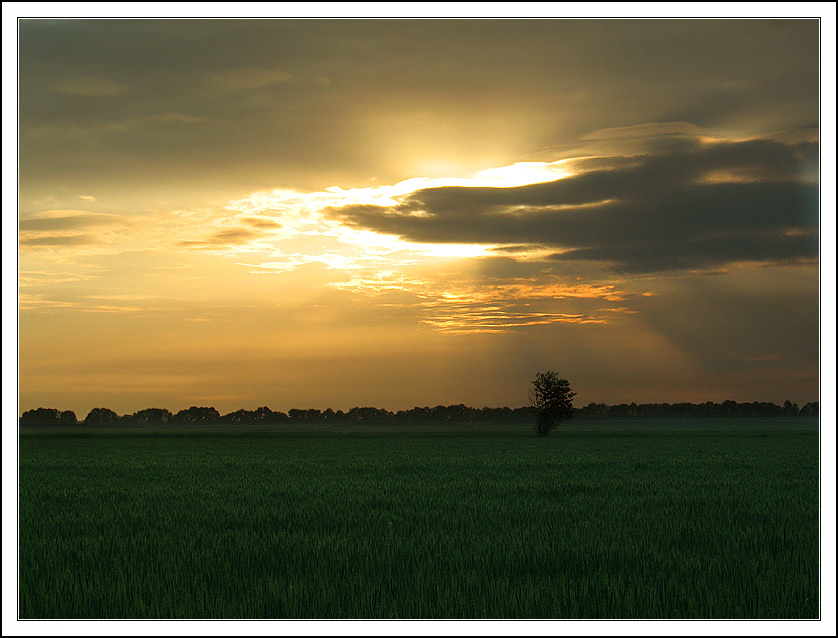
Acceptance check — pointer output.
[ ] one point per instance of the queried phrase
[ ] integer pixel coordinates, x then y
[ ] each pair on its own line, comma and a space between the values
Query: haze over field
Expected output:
394, 213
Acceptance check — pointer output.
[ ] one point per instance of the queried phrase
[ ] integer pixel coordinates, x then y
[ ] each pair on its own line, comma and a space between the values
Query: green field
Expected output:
705, 519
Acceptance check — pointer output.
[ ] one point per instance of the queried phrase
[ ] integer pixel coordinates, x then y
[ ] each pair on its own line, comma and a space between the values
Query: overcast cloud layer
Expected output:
151, 111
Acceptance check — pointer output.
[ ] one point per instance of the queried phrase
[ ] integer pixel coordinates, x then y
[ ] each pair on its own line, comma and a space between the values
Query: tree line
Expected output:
446, 414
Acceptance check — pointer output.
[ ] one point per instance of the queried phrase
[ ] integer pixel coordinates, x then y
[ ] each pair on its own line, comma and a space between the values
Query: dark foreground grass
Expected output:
584, 524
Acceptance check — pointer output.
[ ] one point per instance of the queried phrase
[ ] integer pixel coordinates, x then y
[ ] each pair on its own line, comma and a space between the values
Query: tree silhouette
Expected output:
197, 416
552, 399
546, 419
152, 416
68, 417
101, 416
41, 416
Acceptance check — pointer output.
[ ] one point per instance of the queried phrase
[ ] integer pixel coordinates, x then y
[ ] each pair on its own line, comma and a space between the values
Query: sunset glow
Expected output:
337, 213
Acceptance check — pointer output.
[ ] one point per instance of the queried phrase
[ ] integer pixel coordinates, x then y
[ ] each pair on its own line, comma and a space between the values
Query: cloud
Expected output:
229, 237
458, 305
67, 228
646, 130
86, 86
483, 93
261, 222
46, 278
68, 220
247, 78
492, 320
59, 240
180, 118
661, 212
34, 302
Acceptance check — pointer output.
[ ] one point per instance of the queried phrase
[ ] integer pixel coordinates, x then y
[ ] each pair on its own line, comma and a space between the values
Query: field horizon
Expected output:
523, 427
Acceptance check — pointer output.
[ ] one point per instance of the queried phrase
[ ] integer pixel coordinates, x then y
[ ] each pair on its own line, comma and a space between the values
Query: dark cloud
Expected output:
706, 252
699, 207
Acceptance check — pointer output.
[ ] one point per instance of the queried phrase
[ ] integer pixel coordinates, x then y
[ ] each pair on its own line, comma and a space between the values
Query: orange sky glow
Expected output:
315, 214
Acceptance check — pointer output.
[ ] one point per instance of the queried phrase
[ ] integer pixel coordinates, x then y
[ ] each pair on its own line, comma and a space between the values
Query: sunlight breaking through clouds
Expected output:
279, 222
287, 230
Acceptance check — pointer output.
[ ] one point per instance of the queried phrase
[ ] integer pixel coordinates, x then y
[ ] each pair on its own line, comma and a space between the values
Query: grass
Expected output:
621, 521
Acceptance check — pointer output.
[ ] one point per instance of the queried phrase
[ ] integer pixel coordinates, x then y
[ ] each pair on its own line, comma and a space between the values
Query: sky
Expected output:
392, 213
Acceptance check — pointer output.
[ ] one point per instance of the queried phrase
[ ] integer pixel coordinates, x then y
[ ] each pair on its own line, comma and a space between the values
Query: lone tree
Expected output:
552, 399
